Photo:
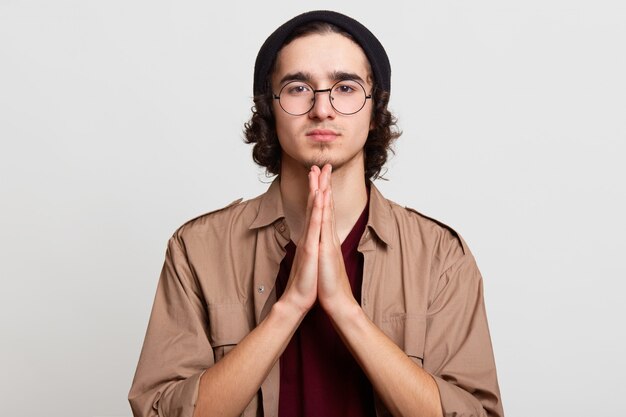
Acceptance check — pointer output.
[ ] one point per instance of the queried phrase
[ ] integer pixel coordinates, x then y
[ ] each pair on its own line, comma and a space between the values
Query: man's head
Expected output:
321, 51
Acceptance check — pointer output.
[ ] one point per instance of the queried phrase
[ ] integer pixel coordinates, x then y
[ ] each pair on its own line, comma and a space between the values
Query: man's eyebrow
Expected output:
308, 78
297, 76
343, 75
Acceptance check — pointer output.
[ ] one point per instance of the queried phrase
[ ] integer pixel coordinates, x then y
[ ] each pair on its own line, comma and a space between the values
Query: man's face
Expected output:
322, 135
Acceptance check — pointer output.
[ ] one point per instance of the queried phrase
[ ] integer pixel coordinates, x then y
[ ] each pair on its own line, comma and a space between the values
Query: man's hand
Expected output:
301, 290
318, 269
333, 286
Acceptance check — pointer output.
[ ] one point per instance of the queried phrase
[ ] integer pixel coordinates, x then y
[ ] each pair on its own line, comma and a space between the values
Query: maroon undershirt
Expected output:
318, 375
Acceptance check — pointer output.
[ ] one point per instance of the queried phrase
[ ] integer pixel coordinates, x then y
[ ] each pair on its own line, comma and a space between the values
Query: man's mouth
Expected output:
322, 135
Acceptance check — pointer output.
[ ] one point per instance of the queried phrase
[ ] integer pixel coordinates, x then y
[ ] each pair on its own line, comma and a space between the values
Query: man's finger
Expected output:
313, 186
327, 228
312, 233
324, 179
332, 217
314, 176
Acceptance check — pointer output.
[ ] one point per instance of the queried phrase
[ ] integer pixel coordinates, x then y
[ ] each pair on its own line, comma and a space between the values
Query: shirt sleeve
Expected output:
176, 349
458, 351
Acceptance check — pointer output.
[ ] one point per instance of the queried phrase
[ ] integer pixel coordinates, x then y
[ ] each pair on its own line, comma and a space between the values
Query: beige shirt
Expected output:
421, 287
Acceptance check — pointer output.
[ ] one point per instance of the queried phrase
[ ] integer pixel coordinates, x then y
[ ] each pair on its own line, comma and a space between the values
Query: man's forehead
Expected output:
317, 57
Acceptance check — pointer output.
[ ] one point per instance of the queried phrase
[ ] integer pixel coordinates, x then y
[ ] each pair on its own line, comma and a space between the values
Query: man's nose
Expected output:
322, 109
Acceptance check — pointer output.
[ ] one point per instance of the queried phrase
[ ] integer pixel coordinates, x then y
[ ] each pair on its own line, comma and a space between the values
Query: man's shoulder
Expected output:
414, 224
239, 213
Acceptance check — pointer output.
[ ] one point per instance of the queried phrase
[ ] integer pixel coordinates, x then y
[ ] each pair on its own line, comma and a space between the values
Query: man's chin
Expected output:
319, 162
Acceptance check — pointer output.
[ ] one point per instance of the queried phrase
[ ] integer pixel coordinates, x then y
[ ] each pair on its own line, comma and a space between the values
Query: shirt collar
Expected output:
380, 215
270, 206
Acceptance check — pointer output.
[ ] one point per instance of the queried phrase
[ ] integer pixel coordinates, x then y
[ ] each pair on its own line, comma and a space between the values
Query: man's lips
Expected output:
322, 135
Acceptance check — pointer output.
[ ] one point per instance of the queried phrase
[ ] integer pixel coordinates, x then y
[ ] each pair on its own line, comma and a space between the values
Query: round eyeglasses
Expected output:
346, 97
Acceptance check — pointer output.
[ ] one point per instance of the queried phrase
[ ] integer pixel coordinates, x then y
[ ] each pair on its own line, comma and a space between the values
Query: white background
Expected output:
120, 120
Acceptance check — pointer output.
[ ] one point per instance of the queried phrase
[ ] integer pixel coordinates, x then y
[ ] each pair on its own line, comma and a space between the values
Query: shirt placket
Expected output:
271, 241
367, 247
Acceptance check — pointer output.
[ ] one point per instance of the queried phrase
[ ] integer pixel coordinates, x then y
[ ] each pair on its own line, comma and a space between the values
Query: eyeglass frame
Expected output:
324, 90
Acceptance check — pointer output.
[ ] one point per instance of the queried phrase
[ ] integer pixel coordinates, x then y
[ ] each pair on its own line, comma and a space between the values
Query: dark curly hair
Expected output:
261, 128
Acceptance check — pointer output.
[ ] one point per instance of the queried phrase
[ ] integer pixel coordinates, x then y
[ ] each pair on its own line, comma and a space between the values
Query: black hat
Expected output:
369, 43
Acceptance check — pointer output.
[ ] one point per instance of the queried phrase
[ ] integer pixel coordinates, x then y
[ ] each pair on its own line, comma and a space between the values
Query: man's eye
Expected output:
298, 89
345, 88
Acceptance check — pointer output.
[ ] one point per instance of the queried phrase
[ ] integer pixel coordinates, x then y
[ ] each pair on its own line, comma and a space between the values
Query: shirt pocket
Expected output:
408, 332
228, 324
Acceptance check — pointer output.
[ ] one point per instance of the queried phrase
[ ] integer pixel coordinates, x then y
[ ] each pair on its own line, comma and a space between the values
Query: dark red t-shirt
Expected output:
318, 374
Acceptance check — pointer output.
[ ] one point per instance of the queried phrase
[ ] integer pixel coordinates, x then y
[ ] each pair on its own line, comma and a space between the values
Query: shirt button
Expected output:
281, 227
261, 289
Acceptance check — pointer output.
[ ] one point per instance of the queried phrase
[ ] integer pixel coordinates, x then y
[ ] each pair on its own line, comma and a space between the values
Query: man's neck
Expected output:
349, 195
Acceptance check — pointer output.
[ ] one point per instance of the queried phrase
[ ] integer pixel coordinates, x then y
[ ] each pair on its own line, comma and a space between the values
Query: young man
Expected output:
376, 310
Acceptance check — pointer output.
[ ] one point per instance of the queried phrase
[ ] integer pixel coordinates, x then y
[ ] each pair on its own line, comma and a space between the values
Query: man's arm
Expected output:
404, 387
227, 387
458, 351
168, 372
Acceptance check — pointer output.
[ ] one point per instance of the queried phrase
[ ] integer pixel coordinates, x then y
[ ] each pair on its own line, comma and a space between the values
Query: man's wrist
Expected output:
344, 310
286, 309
